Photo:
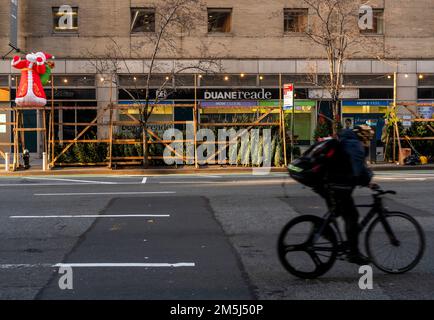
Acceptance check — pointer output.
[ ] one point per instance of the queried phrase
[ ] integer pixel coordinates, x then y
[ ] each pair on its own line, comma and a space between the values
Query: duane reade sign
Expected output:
238, 95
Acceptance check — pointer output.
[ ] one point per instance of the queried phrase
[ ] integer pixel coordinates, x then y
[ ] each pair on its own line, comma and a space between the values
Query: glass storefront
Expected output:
370, 112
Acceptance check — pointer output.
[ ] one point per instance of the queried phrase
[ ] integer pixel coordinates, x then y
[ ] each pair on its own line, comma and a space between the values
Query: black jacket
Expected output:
347, 165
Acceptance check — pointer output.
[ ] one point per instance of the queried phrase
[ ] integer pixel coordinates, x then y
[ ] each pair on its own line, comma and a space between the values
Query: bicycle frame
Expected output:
376, 209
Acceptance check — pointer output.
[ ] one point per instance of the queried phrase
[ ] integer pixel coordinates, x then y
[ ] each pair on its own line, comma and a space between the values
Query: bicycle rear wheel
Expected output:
395, 245
303, 251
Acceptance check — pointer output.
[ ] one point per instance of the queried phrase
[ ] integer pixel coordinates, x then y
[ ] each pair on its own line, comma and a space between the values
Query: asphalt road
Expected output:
183, 237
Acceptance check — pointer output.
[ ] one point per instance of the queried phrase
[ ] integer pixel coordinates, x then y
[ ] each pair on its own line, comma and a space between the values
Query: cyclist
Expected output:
344, 170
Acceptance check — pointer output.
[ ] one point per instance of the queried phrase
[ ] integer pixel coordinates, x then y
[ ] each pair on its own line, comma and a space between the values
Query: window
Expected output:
425, 93
219, 20
368, 80
378, 23
65, 19
376, 93
295, 20
426, 80
142, 20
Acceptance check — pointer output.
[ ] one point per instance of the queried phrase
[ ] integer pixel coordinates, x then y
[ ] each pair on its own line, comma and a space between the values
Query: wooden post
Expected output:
111, 127
195, 116
52, 122
282, 122
44, 125
16, 141
292, 129
396, 129
111, 139
21, 133
15, 113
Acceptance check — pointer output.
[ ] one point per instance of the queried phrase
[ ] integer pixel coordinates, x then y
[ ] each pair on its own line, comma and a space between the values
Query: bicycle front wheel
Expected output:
303, 250
396, 243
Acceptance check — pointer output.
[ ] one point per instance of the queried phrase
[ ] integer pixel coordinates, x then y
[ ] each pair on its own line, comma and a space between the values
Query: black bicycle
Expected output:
308, 245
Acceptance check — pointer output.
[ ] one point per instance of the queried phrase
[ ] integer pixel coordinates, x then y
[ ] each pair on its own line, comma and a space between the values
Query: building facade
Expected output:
259, 46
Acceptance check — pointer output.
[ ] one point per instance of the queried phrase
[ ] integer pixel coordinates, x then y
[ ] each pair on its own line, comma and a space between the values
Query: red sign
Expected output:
288, 96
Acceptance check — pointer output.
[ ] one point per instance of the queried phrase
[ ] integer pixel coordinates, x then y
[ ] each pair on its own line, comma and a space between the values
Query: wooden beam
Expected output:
238, 135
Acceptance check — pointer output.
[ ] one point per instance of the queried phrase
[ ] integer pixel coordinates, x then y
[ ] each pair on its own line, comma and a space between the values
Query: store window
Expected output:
295, 20
219, 20
142, 20
425, 93
378, 23
65, 19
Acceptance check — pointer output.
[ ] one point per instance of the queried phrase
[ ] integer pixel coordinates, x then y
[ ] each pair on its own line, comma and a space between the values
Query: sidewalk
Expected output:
36, 170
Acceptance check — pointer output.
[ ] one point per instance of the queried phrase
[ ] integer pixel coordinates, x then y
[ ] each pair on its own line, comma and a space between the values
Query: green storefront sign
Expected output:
301, 106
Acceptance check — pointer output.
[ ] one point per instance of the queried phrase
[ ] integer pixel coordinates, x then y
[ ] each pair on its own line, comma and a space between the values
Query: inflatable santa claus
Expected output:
30, 91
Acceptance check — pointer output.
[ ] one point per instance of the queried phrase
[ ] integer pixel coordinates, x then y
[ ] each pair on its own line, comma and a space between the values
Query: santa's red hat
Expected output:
48, 56
45, 56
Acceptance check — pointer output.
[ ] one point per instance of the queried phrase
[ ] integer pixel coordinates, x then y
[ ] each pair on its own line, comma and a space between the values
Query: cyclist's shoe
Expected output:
358, 258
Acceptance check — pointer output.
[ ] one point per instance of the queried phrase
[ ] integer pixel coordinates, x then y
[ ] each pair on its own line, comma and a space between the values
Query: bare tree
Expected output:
174, 19
334, 27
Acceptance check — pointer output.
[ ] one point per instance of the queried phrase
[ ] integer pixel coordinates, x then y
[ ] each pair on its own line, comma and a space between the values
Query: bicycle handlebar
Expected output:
376, 188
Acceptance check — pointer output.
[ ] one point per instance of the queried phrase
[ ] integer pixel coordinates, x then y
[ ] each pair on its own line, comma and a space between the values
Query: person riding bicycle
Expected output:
345, 168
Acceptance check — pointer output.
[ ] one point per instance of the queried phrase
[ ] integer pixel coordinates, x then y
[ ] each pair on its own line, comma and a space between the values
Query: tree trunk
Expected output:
145, 146
337, 125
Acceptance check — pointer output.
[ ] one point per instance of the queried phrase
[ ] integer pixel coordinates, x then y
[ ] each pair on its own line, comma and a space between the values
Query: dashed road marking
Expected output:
95, 216
101, 193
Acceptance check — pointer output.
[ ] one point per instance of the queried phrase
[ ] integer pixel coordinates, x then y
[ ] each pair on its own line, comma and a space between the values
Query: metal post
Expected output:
44, 161
7, 161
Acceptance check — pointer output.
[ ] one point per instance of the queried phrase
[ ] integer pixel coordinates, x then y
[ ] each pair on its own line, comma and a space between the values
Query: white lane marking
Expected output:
99, 265
233, 183
56, 184
405, 179
96, 216
209, 176
102, 193
71, 180
25, 265
126, 265
187, 182
145, 179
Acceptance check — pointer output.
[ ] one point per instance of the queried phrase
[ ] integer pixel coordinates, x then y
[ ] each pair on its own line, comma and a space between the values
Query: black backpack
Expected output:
309, 169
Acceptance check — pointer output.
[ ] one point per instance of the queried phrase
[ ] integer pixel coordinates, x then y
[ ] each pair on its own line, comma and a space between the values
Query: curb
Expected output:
179, 171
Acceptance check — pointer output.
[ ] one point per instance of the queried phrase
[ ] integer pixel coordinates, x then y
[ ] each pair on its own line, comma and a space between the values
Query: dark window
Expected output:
368, 80
139, 81
4, 81
376, 93
229, 80
65, 19
142, 20
219, 20
378, 23
71, 94
425, 93
184, 80
295, 20
73, 81
426, 80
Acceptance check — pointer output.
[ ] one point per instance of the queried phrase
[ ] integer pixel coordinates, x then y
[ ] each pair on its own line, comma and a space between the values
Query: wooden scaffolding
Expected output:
55, 147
